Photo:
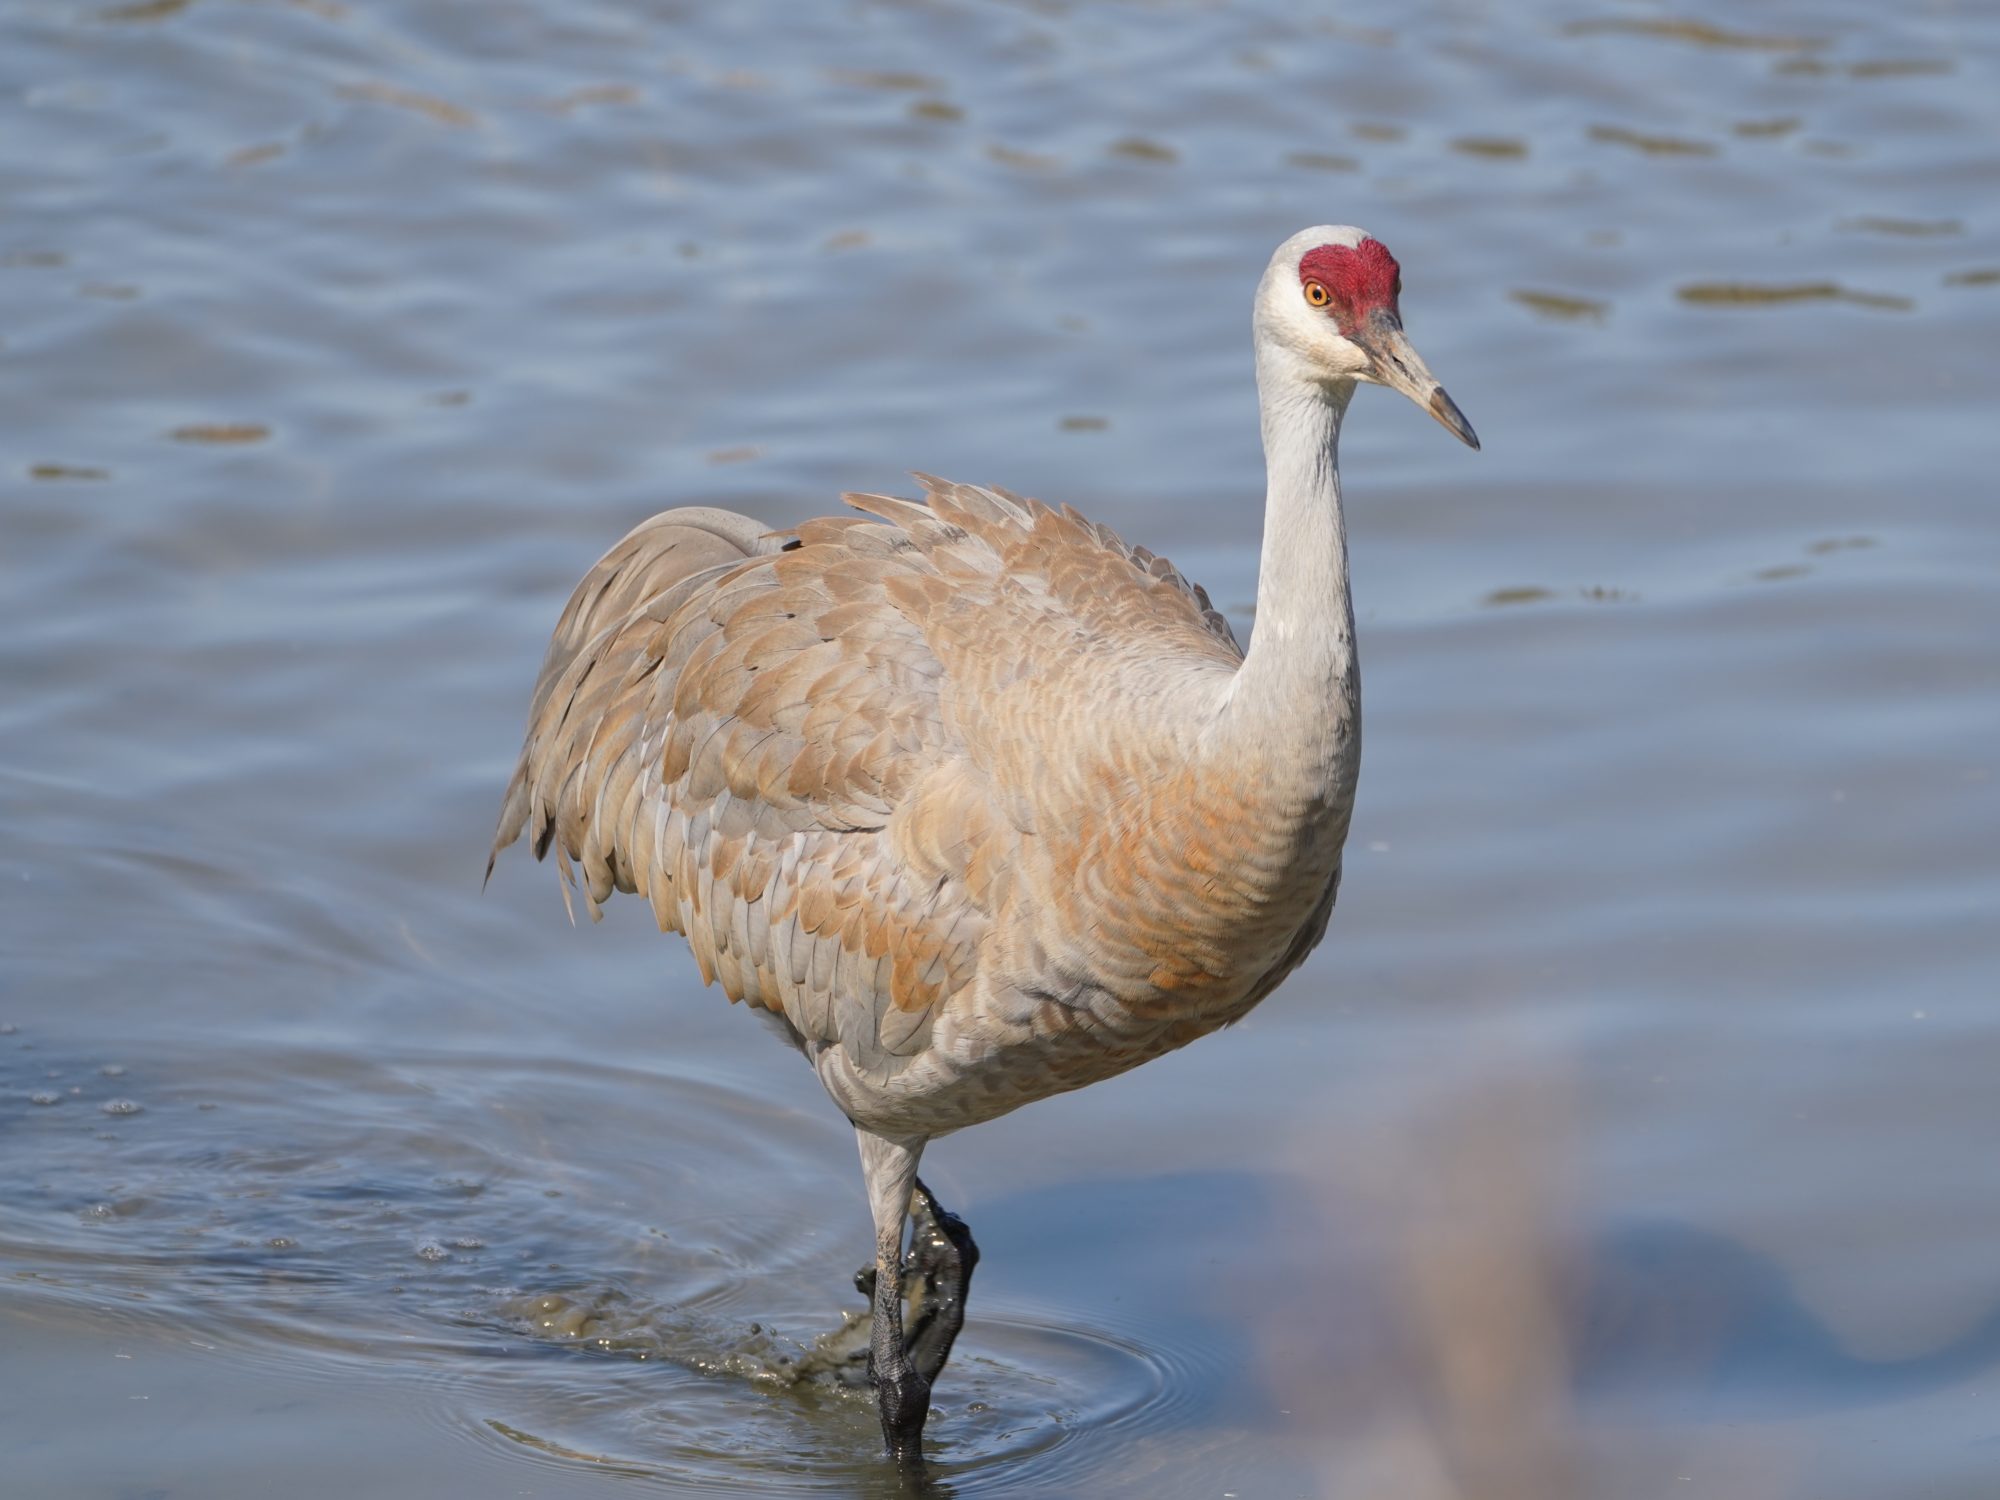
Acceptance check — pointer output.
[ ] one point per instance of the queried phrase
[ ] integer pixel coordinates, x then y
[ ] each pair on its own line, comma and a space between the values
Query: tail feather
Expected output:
599, 640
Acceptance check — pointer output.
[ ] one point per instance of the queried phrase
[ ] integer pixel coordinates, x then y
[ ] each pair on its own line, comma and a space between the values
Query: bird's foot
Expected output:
937, 1272
903, 1398
937, 1275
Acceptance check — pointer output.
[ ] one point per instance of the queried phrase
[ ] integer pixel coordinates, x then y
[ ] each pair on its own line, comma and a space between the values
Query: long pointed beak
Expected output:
1399, 367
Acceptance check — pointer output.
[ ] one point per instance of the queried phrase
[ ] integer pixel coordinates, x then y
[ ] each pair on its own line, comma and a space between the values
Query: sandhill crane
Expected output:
972, 801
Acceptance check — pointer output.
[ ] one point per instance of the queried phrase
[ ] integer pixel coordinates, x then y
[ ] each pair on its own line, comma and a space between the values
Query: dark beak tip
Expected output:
1446, 411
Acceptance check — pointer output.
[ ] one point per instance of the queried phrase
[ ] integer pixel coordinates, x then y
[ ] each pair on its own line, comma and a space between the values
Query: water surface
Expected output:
1632, 1134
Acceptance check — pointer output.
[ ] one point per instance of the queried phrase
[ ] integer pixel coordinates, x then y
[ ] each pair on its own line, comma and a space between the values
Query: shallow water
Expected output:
1632, 1134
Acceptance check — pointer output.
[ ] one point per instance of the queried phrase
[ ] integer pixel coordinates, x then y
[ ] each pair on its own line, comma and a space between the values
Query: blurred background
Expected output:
1634, 1133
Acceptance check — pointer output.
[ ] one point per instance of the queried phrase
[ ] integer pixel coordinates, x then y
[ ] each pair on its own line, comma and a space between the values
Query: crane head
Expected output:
1328, 307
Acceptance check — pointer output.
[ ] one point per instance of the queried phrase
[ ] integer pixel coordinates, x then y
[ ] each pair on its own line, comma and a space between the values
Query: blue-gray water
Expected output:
1633, 1134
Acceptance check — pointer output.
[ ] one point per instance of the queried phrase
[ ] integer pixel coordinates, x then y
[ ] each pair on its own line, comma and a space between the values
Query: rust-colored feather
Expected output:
849, 764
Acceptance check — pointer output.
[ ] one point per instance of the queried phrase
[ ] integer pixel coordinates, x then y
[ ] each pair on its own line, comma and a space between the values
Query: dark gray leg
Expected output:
902, 1391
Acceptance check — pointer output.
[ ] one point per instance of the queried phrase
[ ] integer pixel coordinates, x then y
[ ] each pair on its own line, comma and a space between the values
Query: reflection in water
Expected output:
440, 111
1686, 1320
1452, 1332
1563, 306
1747, 294
1322, 161
1438, 1370
1652, 145
1915, 229
1496, 146
220, 432
1768, 129
1881, 67
1699, 33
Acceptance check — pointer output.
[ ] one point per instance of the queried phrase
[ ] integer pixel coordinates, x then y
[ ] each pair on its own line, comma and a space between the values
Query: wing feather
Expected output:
797, 746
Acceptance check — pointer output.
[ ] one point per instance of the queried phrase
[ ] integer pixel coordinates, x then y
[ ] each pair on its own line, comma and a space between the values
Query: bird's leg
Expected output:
902, 1394
902, 1391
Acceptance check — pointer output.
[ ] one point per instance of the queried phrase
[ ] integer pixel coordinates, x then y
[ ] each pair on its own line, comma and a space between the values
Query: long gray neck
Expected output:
1296, 701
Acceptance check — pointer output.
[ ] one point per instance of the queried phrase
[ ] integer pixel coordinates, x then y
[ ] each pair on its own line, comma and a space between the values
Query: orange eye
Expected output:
1316, 294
